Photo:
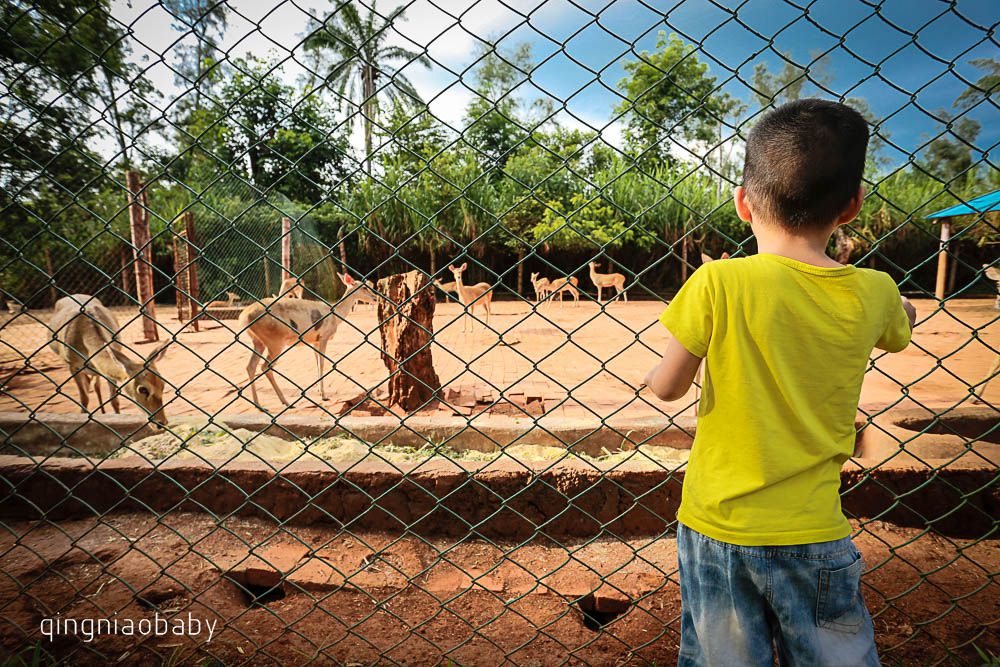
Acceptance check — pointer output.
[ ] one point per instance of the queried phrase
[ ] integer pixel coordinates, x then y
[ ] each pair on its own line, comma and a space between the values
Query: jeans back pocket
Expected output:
840, 605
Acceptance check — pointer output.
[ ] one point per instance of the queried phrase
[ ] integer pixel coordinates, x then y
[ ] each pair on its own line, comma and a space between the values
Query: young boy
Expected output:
765, 554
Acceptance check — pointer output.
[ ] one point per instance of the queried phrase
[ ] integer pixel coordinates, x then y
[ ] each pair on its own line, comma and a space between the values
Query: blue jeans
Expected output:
741, 604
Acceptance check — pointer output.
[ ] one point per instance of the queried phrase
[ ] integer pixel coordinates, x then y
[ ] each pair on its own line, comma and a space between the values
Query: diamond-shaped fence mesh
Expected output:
325, 323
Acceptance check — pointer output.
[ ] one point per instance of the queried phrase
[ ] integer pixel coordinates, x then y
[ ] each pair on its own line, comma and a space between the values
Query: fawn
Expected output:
85, 336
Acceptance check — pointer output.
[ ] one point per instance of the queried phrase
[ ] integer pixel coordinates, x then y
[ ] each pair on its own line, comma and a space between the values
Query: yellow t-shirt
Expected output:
786, 347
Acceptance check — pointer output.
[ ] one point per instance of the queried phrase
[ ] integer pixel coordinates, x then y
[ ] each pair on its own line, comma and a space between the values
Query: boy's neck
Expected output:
806, 247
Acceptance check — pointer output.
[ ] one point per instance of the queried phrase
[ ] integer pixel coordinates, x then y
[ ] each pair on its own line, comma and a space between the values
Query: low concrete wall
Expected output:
499, 499
80, 435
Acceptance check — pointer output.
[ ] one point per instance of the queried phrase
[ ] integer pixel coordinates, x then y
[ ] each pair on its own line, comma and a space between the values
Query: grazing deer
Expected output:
541, 285
570, 284
228, 302
85, 336
291, 288
480, 294
602, 280
993, 274
276, 324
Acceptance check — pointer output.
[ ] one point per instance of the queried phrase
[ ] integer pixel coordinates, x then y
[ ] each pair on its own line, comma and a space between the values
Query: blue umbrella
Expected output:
981, 204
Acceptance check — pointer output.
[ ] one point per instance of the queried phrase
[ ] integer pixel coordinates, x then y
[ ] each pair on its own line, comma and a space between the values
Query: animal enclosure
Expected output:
324, 324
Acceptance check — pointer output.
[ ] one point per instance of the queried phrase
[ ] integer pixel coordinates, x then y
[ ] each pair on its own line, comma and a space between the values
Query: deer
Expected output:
541, 285
448, 287
480, 294
993, 274
602, 280
291, 288
276, 324
228, 302
569, 284
363, 299
85, 336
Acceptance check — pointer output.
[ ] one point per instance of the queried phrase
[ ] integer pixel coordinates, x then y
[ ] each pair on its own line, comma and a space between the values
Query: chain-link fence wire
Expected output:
322, 138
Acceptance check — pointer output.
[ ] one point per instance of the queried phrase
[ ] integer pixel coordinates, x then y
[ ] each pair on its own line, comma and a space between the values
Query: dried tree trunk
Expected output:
407, 328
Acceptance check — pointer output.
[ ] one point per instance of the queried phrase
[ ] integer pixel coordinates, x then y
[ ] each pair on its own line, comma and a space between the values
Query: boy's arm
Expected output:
689, 320
899, 327
670, 379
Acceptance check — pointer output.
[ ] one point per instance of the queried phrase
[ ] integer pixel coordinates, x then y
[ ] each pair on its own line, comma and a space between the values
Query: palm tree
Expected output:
361, 57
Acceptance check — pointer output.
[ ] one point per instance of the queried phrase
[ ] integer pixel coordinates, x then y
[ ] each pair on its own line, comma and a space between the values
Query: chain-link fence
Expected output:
326, 322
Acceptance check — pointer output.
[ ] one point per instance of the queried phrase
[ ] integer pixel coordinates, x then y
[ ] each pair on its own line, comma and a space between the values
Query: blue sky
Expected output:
869, 53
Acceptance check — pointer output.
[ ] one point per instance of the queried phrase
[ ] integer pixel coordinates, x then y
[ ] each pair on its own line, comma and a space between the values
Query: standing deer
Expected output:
541, 285
993, 274
480, 294
602, 280
85, 336
276, 324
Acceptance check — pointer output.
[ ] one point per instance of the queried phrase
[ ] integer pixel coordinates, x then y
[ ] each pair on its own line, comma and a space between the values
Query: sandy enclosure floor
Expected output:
584, 361
367, 598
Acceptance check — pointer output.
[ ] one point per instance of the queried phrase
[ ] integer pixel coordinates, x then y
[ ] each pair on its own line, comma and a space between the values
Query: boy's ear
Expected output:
853, 207
742, 204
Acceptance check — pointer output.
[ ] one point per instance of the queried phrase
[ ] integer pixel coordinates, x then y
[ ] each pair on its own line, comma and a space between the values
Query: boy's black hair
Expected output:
804, 162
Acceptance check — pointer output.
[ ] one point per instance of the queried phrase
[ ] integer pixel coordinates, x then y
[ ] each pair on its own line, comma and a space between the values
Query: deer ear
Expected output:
725, 255
464, 265
705, 258
158, 353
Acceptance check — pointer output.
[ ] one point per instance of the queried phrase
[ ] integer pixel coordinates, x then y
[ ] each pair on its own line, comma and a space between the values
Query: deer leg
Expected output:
269, 372
255, 356
81, 386
989, 378
621, 290
97, 390
599, 294
320, 358
113, 392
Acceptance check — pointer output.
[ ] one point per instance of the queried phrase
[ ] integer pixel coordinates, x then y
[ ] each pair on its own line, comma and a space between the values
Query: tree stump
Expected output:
406, 325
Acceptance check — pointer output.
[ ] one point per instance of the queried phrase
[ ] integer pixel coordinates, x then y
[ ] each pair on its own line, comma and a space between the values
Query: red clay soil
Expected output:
376, 598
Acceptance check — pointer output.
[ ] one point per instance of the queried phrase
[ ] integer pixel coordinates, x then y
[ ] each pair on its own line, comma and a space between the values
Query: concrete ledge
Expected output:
78, 434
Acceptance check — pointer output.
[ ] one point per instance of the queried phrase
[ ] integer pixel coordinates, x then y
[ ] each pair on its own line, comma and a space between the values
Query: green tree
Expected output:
360, 64
205, 21
498, 119
53, 58
265, 130
669, 93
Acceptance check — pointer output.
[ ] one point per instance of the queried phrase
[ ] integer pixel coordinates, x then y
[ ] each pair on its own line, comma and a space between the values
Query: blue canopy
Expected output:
981, 204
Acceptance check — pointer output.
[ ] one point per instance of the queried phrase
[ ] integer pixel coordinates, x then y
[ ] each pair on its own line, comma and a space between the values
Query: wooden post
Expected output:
185, 276
142, 256
51, 269
286, 248
192, 246
181, 288
942, 268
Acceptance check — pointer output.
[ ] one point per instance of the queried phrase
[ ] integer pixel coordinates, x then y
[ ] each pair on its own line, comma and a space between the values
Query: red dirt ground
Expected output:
372, 597
583, 362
